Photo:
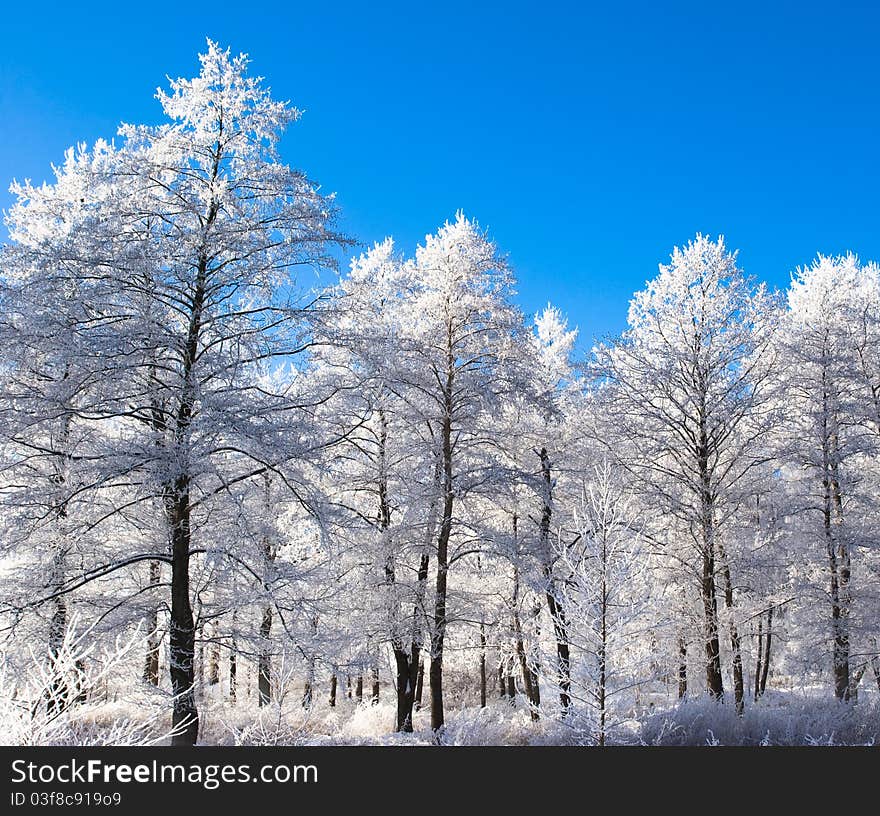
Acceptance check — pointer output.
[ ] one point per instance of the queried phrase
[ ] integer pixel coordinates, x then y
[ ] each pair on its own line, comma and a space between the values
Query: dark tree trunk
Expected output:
409, 687
333, 681
233, 671
438, 633
682, 668
264, 661
524, 667
374, 696
359, 689
181, 641
214, 660
768, 640
735, 648
420, 684
757, 690
406, 656
838, 553
185, 715
151, 661
554, 603
714, 682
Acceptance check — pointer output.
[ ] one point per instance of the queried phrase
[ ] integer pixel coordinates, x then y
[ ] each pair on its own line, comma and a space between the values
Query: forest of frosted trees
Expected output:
242, 503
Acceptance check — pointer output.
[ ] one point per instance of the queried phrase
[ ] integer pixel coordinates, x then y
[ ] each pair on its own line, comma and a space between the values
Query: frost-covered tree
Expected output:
207, 227
829, 394
688, 394
607, 591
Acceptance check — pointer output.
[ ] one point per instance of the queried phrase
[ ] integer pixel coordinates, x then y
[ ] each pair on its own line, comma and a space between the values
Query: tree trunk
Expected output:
554, 604
333, 681
525, 669
307, 691
682, 668
181, 651
214, 658
409, 687
359, 689
407, 662
264, 661
420, 684
438, 633
735, 648
58, 692
374, 697
714, 682
233, 672
760, 650
482, 664
838, 553
185, 715
765, 667
511, 682
151, 661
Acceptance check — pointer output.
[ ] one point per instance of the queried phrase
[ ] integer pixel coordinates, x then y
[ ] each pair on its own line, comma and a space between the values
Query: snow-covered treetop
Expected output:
830, 287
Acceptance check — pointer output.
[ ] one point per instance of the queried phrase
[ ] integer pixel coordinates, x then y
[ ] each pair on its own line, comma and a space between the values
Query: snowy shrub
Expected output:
778, 719
57, 701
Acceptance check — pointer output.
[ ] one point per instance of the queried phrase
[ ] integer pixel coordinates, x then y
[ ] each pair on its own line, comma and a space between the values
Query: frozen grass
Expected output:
777, 719
140, 715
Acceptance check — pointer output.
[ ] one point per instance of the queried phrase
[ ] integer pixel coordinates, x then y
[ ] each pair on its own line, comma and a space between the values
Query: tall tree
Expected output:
688, 392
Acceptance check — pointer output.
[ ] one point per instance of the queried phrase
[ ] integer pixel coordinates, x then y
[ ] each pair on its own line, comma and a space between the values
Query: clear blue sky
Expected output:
589, 138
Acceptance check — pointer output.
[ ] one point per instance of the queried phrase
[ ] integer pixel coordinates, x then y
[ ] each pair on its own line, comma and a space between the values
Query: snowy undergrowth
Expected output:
778, 719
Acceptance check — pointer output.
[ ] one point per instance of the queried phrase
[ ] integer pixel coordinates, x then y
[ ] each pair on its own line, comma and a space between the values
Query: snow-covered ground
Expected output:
781, 718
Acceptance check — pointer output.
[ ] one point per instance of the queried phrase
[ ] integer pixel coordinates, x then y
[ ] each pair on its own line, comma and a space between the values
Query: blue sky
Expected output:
589, 139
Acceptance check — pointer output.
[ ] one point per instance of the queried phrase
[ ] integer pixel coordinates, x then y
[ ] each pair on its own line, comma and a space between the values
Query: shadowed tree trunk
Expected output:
836, 547
760, 659
554, 605
151, 660
438, 633
524, 667
682, 667
420, 684
264, 661
714, 681
768, 640
511, 681
233, 672
181, 651
374, 696
735, 649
